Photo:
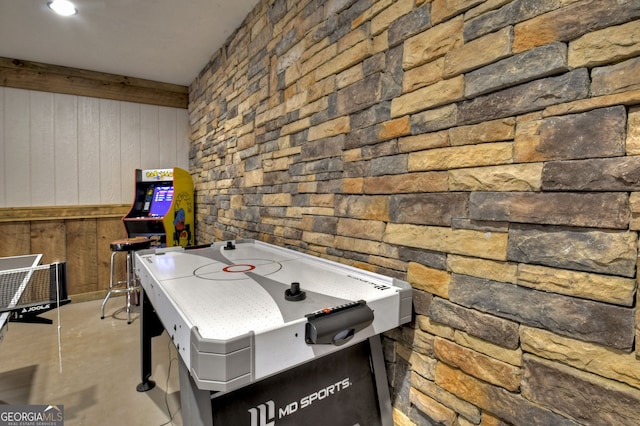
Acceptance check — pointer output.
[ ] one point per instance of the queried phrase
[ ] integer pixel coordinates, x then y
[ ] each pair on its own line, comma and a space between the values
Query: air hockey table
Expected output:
269, 336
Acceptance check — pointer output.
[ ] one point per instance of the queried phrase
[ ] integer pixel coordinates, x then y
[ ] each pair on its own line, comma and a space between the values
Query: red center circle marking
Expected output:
240, 267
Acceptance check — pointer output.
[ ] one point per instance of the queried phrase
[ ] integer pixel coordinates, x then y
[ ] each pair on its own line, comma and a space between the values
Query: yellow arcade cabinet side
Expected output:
163, 207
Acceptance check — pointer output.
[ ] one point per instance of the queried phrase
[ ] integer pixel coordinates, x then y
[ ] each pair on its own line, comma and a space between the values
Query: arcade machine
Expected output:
163, 208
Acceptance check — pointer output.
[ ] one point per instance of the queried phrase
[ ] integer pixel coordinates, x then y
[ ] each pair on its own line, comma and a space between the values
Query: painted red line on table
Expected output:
240, 267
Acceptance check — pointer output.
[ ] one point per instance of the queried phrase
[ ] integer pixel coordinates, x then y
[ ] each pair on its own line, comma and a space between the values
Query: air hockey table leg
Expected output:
150, 326
382, 386
195, 402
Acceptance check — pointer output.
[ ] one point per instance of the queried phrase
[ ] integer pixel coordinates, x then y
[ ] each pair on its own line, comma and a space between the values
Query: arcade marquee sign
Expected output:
153, 175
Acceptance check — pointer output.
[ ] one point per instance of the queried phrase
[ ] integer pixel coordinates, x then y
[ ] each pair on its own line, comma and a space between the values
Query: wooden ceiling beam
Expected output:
21, 74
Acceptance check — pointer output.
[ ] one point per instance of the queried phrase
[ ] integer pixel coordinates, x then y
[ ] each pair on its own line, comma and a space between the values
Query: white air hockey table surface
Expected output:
234, 313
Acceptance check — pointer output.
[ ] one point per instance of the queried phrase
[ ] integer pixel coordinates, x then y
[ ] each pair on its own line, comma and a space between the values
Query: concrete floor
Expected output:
100, 367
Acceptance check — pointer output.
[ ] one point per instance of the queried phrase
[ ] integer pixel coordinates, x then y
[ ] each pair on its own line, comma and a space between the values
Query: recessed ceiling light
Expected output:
62, 7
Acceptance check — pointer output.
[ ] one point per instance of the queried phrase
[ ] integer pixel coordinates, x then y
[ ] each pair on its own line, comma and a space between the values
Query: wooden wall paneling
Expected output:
149, 141
15, 239
110, 178
16, 148
25, 214
82, 256
53, 78
2, 148
62, 149
130, 137
88, 151
66, 149
79, 235
167, 137
129, 179
49, 239
41, 142
109, 229
182, 139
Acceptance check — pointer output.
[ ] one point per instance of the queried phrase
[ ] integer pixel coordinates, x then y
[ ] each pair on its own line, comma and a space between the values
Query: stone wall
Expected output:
486, 151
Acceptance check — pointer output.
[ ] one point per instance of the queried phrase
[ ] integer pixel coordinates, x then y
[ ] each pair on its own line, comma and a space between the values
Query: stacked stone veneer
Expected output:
488, 152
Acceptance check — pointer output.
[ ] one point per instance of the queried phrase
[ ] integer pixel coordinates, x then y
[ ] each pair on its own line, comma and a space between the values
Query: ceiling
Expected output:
169, 41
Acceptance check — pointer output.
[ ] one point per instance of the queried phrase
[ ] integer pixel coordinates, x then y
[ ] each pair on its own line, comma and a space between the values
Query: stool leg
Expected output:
135, 283
128, 292
111, 284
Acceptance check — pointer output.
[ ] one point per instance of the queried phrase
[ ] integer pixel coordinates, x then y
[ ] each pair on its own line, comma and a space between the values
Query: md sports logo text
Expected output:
266, 414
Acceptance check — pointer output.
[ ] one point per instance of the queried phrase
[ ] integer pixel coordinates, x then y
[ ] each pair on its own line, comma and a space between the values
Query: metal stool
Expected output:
130, 284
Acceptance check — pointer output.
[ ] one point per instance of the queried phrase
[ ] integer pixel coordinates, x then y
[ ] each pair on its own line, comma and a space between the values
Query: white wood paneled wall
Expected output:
72, 150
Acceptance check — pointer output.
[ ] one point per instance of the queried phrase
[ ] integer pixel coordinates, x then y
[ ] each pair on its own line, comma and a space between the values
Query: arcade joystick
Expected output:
294, 294
230, 246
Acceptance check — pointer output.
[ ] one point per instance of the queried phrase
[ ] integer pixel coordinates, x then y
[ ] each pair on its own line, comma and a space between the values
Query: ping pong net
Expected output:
27, 292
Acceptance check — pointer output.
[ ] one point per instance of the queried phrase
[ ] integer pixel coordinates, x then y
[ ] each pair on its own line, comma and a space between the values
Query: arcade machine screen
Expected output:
161, 201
